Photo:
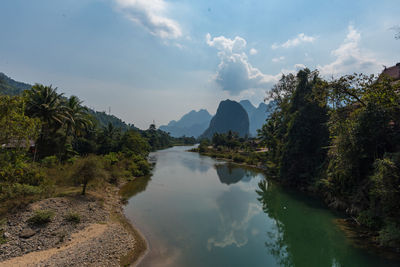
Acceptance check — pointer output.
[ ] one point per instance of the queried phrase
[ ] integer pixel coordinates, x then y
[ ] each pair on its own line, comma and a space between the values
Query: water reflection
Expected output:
231, 174
194, 165
236, 208
195, 214
134, 187
298, 238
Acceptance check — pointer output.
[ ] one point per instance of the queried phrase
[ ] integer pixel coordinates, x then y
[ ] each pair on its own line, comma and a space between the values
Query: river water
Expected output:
197, 211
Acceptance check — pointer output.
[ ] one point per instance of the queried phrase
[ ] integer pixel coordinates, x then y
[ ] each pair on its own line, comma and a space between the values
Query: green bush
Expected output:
366, 218
50, 161
111, 158
238, 158
390, 235
17, 190
73, 217
41, 217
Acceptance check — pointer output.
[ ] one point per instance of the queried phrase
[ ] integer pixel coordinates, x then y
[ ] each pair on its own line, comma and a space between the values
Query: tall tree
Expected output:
45, 103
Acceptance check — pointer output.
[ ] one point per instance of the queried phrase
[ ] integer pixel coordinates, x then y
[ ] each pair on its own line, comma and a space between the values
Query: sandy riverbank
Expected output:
103, 237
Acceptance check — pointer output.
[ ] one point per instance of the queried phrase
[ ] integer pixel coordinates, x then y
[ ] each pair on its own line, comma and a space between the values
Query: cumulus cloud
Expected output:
253, 51
151, 14
349, 58
278, 59
235, 73
299, 39
299, 66
225, 44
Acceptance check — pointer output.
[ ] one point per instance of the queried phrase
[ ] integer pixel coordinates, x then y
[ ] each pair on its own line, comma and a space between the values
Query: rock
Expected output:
230, 116
6, 235
26, 233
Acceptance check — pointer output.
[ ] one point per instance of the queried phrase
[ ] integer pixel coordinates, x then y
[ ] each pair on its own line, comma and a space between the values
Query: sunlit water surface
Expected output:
196, 211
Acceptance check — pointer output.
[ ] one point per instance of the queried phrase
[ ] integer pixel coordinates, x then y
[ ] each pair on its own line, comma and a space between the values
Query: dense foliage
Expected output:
49, 140
342, 139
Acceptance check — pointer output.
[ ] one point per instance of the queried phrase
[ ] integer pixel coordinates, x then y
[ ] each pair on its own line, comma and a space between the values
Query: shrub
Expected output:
73, 217
10, 191
50, 161
86, 170
238, 158
390, 235
111, 158
41, 217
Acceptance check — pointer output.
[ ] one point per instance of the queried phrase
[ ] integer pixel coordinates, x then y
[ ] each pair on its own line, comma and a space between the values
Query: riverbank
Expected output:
86, 230
359, 235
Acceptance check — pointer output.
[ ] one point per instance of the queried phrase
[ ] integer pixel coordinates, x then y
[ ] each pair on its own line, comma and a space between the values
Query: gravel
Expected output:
104, 249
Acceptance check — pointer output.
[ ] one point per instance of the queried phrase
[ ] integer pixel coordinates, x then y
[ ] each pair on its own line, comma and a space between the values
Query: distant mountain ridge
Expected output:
230, 116
257, 116
8, 86
191, 124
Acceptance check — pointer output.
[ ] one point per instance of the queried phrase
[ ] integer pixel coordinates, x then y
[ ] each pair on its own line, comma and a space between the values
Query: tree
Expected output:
45, 103
303, 152
109, 139
88, 169
17, 129
77, 121
133, 142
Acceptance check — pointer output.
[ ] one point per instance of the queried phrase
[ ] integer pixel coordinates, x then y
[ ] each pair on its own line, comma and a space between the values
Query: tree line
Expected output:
47, 137
341, 140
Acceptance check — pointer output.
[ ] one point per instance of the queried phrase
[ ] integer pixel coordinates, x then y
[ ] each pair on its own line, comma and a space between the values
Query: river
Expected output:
198, 211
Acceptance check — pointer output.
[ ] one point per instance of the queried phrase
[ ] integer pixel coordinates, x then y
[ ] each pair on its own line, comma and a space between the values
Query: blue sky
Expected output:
158, 59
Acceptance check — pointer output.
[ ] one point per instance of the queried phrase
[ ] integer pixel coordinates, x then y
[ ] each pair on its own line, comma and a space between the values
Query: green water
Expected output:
196, 211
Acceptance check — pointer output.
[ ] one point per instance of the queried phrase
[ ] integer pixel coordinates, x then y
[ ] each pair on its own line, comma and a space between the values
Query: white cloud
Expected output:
299, 66
235, 73
278, 59
350, 58
253, 51
225, 44
151, 14
299, 39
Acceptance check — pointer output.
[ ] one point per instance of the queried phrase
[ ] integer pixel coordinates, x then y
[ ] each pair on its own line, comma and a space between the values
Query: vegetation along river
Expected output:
197, 211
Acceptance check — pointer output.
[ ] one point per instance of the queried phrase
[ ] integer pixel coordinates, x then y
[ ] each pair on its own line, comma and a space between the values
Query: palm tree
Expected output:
45, 103
77, 117
77, 121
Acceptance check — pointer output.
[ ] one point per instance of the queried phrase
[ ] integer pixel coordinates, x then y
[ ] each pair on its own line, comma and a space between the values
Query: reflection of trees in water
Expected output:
231, 174
301, 236
135, 187
276, 242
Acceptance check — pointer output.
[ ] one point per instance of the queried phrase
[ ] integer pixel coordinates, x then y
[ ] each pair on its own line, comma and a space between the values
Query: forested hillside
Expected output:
11, 87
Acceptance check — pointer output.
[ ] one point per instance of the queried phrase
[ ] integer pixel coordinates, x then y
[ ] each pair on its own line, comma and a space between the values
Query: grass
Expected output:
73, 217
41, 217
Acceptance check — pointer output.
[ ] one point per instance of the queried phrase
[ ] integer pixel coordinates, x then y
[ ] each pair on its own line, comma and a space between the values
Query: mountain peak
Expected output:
230, 116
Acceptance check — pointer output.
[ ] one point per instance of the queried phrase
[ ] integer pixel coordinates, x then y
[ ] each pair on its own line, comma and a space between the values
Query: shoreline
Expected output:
103, 237
134, 257
356, 234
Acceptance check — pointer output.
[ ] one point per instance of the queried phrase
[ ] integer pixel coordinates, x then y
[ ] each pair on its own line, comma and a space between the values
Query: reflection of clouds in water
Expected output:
235, 211
195, 165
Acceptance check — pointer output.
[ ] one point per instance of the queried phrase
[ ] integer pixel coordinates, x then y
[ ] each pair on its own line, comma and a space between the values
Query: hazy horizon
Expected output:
157, 59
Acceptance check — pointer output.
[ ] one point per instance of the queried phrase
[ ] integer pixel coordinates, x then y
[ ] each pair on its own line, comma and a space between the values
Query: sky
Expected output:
156, 60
